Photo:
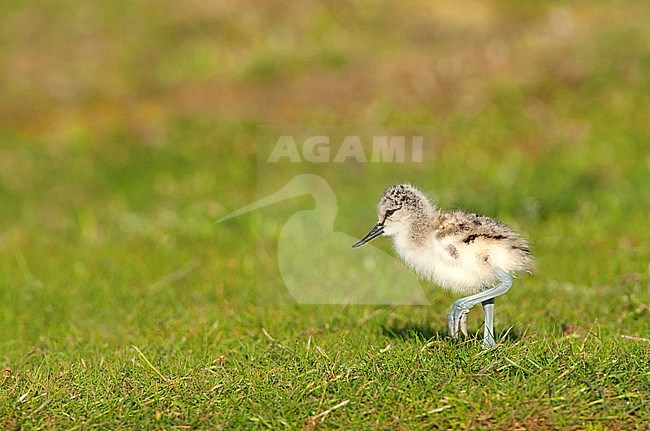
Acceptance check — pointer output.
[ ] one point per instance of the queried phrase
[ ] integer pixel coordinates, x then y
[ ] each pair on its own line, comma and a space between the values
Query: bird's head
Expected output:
398, 207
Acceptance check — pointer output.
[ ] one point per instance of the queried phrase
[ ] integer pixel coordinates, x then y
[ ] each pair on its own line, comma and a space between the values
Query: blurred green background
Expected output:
144, 121
128, 128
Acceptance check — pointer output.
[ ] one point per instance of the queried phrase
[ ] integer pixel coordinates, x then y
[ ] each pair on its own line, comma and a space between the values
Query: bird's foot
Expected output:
457, 319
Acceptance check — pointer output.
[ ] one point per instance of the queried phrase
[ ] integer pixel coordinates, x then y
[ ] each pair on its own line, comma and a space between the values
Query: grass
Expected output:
128, 131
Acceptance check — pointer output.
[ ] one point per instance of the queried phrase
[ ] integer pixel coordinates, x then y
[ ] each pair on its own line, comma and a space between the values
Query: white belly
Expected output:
466, 272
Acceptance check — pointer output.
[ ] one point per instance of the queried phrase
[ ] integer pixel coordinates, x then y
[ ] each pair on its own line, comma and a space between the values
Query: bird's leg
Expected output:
488, 327
458, 317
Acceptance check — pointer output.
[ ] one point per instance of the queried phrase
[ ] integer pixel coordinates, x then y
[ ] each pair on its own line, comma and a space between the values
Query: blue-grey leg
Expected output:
458, 317
488, 327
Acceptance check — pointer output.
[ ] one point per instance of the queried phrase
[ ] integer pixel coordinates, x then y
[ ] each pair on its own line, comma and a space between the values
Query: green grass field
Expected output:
127, 131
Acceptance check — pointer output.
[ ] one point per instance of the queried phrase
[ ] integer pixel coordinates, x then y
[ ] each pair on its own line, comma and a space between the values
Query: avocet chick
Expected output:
466, 253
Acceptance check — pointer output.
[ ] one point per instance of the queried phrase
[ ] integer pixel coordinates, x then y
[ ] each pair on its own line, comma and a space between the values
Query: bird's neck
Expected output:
419, 230
416, 233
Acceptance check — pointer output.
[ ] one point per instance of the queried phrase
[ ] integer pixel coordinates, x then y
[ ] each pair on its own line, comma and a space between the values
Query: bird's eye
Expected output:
391, 212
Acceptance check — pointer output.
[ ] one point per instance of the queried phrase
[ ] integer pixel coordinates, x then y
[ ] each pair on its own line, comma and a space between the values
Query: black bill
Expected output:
374, 233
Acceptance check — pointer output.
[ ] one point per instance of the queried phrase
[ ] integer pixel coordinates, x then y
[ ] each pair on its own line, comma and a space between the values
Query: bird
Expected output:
314, 259
469, 254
